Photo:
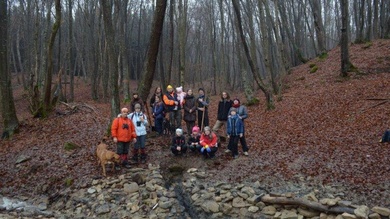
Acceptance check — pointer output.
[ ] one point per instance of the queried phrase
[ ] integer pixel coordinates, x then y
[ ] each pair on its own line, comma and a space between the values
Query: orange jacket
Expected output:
123, 134
206, 140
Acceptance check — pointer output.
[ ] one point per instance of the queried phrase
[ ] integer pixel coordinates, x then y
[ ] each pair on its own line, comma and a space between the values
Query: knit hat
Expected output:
233, 109
179, 131
169, 87
195, 129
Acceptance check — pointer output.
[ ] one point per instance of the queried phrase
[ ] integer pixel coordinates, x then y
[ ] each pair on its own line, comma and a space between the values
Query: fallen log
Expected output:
308, 204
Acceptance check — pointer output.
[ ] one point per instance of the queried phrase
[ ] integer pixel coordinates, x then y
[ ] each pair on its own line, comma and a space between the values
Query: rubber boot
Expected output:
135, 155
143, 155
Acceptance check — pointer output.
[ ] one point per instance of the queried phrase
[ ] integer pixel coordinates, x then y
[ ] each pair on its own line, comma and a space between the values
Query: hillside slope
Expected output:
323, 134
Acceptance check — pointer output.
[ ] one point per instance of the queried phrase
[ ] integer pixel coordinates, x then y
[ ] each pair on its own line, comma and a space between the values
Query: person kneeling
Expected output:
178, 143
208, 143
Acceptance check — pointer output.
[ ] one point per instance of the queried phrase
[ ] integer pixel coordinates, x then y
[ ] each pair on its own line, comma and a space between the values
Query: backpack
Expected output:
386, 136
132, 116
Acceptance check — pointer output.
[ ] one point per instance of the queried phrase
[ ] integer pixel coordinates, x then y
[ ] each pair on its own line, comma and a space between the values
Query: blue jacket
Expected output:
235, 126
158, 111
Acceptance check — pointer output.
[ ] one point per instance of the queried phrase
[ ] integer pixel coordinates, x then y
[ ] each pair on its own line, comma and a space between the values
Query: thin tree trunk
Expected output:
8, 113
49, 74
171, 38
182, 40
70, 49
345, 64
375, 20
319, 25
151, 58
112, 56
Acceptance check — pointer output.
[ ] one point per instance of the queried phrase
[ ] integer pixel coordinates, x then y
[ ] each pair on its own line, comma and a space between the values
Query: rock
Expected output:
248, 190
344, 203
308, 213
195, 197
138, 178
269, 210
22, 158
102, 209
311, 197
226, 208
192, 170
210, 206
91, 190
348, 216
362, 211
287, 214
253, 209
382, 211
323, 216
242, 195
238, 202
165, 204
374, 216
130, 188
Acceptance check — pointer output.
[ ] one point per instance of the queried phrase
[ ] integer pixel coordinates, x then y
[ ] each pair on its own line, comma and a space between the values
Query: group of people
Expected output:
131, 127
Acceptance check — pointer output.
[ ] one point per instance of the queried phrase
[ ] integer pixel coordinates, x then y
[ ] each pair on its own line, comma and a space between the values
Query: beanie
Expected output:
169, 87
195, 129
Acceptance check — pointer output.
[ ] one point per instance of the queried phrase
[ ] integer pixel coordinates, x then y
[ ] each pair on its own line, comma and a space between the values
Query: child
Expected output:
235, 130
140, 122
180, 95
194, 139
158, 115
208, 142
179, 143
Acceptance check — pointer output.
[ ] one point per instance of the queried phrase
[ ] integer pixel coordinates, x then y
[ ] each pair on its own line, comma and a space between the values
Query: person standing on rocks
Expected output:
123, 132
209, 143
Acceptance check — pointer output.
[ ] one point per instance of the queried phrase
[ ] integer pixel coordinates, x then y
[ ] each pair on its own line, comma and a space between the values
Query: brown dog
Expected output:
106, 157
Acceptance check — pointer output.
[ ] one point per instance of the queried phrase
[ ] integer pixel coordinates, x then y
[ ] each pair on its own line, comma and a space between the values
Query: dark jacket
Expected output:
194, 139
178, 141
189, 104
169, 101
223, 109
153, 99
135, 101
235, 126
158, 110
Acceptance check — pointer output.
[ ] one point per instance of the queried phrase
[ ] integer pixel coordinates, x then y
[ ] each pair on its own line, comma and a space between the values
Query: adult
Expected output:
208, 143
157, 93
140, 122
202, 107
158, 114
136, 99
173, 107
224, 106
189, 110
242, 113
123, 132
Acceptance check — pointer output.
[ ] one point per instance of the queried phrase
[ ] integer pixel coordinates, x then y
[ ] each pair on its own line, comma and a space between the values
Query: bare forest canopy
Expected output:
199, 43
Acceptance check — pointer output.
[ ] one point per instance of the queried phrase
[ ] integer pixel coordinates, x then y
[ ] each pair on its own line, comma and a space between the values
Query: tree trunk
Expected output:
268, 96
345, 64
123, 50
171, 39
70, 47
182, 40
319, 25
49, 74
112, 56
151, 58
375, 20
8, 113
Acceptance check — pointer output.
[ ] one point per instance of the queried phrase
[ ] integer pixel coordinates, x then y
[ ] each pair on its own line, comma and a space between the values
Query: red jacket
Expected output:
206, 140
119, 130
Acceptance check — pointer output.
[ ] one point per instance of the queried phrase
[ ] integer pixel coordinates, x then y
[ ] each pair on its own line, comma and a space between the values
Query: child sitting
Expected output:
194, 139
178, 143
208, 142
235, 130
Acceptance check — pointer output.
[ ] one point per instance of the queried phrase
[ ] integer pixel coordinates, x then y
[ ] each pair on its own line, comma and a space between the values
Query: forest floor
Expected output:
323, 133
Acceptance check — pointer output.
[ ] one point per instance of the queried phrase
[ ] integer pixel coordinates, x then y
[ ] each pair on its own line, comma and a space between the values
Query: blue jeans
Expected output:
140, 144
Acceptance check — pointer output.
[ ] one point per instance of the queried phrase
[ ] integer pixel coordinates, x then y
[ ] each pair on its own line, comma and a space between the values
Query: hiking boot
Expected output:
228, 151
246, 153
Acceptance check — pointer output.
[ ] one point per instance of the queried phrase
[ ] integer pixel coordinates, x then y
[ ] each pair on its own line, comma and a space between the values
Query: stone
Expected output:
248, 190
238, 202
226, 208
382, 211
22, 158
192, 170
348, 216
195, 197
287, 214
269, 210
253, 209
311, 197
242, 195
323, 216
344, 203
130, 188
91, 190
362, 211
138, 178
102, 209
374, 216
165, 204
210, 206
308, 213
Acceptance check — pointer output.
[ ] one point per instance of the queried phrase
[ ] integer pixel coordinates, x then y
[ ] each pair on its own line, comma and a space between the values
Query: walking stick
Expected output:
204, 112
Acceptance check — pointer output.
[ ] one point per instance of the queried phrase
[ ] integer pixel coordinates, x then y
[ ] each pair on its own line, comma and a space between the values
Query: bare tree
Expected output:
112, 55
8, 113
319, 25
345, 63
151, 58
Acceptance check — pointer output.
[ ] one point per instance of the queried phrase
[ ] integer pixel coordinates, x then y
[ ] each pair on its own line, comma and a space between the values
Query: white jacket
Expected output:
136, 117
